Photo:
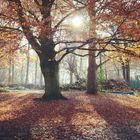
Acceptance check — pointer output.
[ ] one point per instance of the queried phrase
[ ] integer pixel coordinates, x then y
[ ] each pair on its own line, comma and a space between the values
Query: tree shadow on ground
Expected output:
39, 120
66, 119
120, 118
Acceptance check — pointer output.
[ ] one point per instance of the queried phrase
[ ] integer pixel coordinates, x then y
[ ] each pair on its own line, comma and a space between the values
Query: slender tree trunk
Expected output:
91, 81
126, 72
27, 68
106, 75
50, 70
21, 74
13, 73
9, 75
71, 77
123, 71
127, 78
36, 72
41, 80
117, 70
77, 75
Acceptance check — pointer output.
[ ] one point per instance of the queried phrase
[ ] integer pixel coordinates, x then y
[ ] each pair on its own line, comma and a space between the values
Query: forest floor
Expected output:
82, 117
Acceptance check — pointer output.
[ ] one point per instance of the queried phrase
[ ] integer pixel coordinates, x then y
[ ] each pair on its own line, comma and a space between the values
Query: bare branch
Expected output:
84, 55
2, 28
102, 63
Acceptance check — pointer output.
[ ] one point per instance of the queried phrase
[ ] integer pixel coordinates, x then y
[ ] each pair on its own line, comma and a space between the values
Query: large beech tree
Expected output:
44, 45
34, 20
41, 41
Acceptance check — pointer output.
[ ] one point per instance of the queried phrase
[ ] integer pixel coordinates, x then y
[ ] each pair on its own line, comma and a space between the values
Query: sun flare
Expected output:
77, 21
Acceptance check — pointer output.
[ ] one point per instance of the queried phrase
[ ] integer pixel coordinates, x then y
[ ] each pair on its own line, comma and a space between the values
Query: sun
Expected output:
77, 21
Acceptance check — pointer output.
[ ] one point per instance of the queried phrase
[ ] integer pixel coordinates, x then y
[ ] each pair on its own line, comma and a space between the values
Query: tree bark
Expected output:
50, 70
126, 72
71, 77
9, 74
36, 63
91, 82
21, 74
27, 67
44, 47
127, 76
123, 71
91, 77
13, 73
41, 80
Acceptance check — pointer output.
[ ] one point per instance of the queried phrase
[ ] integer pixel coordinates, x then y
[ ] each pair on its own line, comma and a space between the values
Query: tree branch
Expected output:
26, 28
99, 65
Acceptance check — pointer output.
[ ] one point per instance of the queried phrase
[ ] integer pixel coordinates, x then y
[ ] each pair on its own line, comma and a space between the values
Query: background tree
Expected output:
92, 82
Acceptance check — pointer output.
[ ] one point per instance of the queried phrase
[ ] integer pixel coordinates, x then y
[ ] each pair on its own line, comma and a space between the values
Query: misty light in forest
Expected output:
77, 21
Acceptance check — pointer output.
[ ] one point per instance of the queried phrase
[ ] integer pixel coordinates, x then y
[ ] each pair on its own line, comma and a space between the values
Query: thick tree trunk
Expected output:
50, 70
91, 82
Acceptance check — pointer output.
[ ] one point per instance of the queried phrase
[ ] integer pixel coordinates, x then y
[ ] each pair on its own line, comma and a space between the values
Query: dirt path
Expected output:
83, 117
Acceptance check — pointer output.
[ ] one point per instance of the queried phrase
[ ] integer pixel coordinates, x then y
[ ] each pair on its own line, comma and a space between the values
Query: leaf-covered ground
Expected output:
81, 117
